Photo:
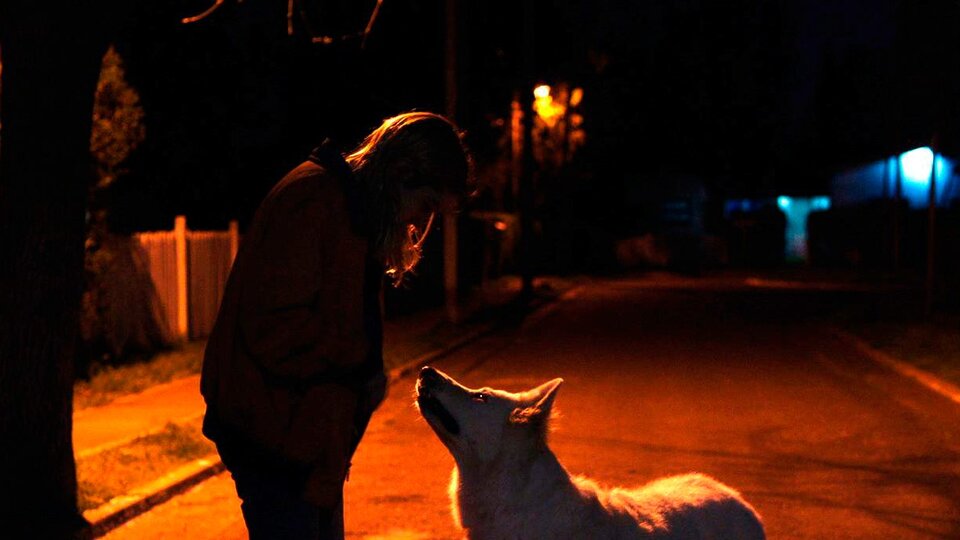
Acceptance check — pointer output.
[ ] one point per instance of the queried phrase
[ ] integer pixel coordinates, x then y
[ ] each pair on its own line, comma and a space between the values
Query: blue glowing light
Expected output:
917, 163
797, 210
906, 176
820, 203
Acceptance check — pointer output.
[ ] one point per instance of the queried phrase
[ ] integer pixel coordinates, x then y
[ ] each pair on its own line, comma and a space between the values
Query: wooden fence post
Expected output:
180, 239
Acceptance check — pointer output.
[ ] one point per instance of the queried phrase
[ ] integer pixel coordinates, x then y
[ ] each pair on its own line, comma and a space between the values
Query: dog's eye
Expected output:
480, 396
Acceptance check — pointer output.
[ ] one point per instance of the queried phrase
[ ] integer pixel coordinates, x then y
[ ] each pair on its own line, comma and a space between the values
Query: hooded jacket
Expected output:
299, 333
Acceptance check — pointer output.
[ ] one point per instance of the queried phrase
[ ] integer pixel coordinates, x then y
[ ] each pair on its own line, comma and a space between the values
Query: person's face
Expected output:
420, 207
418, 204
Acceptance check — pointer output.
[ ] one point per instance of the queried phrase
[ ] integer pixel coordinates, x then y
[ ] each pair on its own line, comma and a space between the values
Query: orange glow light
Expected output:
547, 109
576, 96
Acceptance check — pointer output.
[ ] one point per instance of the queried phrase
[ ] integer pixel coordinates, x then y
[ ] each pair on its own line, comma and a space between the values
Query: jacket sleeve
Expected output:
300, 313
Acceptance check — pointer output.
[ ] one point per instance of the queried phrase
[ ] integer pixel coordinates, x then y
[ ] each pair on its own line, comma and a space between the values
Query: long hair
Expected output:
409, 151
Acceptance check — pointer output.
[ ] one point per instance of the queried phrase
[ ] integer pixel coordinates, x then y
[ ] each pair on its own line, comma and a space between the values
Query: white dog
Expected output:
508, 484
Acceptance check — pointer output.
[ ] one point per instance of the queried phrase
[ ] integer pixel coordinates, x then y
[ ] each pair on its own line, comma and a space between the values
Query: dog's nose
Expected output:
429, 375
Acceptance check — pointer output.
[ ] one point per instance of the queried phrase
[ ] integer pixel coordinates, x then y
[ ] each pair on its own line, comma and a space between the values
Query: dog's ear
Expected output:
538, 404
546, 393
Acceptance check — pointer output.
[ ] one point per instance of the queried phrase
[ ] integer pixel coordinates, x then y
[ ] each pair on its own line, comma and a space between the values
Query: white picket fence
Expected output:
189, 270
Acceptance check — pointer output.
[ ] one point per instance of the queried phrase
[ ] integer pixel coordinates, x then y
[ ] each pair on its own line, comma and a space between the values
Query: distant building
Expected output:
906, 176
745, 214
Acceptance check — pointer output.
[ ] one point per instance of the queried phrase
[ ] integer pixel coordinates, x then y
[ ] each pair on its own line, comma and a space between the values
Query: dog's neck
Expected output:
488, 498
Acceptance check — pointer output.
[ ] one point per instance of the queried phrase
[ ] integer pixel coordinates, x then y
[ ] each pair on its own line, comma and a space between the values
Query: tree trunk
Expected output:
51, 54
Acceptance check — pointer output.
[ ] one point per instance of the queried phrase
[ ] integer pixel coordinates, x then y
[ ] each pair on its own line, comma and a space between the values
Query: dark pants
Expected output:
273, 509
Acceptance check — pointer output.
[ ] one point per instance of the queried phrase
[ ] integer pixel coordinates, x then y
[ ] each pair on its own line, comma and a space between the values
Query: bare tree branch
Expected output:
205, 14
327, 40
369, 28
291, 7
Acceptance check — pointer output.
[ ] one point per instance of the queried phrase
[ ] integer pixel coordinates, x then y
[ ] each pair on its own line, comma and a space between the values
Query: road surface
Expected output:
742, 383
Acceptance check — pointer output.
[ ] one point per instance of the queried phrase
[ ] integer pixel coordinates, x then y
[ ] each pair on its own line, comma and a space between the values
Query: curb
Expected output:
119, 510
925, 378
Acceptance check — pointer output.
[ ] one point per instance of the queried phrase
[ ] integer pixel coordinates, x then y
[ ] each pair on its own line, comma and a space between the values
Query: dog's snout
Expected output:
428, 375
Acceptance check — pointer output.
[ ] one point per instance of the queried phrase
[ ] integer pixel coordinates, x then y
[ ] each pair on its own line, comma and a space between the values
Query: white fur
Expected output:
508, 484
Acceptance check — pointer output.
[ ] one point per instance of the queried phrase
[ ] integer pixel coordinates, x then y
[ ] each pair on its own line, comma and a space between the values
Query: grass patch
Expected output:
117, 471
107, 383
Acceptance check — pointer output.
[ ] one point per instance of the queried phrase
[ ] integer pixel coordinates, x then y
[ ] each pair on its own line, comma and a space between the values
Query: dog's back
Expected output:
691, 506
688, 507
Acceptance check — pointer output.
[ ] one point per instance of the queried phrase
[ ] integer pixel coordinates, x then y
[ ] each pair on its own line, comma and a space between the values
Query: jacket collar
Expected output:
328, 156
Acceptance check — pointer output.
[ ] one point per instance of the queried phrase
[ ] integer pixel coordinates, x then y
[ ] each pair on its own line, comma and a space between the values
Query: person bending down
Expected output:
293, 368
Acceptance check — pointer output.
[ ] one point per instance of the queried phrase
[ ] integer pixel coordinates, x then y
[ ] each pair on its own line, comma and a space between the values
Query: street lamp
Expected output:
557, 125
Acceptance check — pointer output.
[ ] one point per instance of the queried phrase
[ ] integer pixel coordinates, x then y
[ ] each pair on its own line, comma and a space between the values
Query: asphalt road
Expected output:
744, 384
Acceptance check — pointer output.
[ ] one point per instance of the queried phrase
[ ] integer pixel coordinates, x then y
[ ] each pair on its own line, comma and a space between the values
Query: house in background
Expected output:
781, 220
907, 177
855, 223
878, 217
873, 215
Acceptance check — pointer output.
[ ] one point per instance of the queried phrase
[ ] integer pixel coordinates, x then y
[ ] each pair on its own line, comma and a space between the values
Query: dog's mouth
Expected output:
432, 406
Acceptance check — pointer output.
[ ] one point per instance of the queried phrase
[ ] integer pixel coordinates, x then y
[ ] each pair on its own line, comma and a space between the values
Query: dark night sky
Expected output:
759, 96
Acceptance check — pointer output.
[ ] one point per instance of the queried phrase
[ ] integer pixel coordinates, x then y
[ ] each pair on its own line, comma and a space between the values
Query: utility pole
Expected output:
450, 254
528, 165
931, 233
897, 217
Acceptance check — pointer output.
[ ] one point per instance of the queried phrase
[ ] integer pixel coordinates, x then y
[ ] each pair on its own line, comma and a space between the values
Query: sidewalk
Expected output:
409, 341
